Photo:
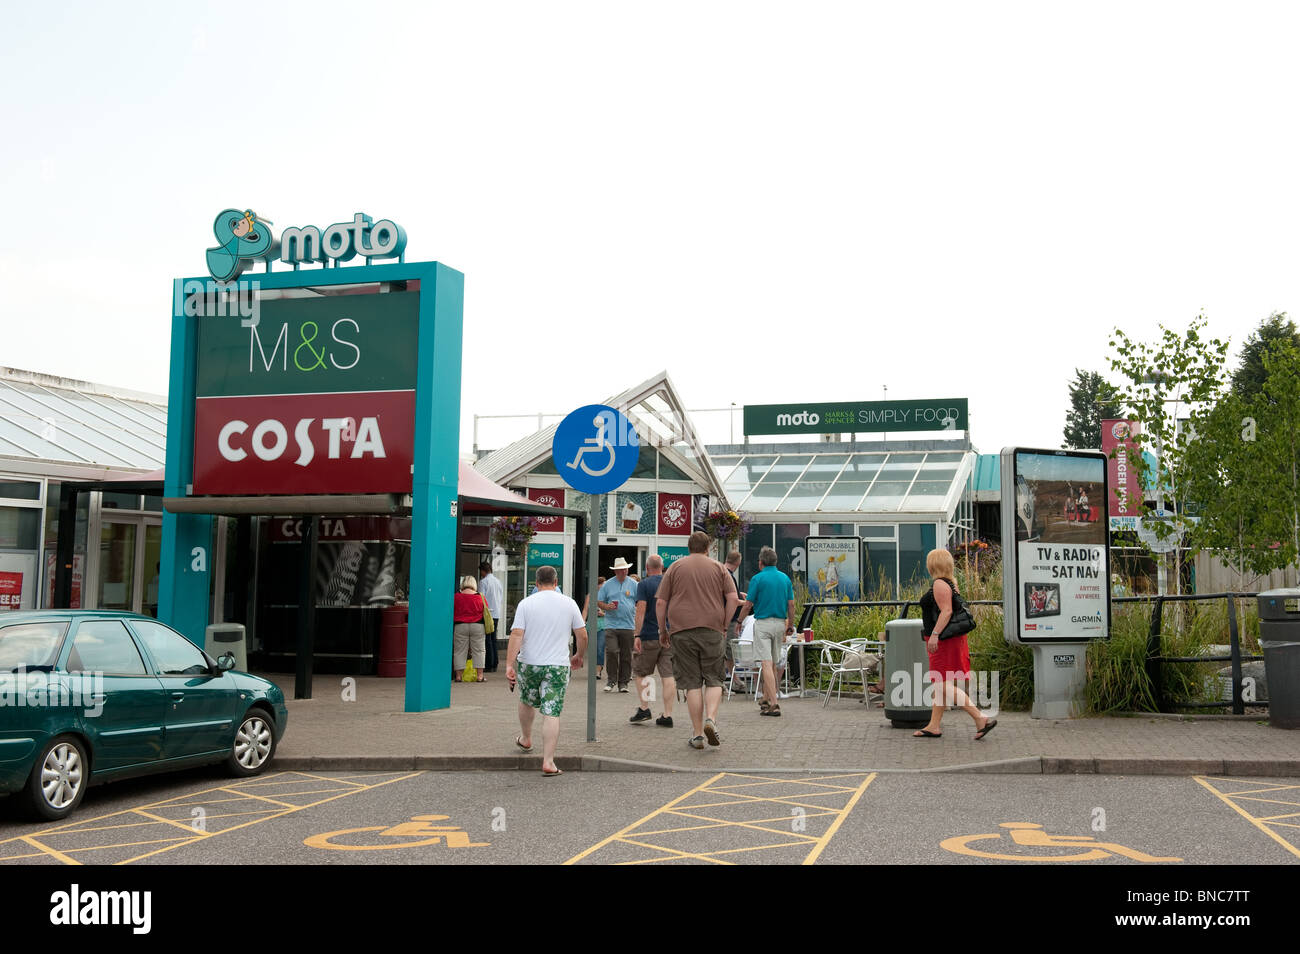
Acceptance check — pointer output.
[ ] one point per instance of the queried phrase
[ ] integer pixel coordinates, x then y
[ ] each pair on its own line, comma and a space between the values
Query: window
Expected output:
174, 654
20, 490
104, 645
28, 645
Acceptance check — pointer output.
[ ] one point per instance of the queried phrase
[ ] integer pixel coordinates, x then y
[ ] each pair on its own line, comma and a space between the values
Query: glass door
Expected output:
117, 565
150, 567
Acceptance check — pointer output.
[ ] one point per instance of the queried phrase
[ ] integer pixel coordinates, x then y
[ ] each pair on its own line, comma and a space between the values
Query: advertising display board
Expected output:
1125, 499
1056, 581
834, 568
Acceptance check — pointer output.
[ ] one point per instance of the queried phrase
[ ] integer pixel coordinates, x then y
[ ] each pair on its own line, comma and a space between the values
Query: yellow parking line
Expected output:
722, 824
31, 840
747, 824
34, 854
1246, 815
263, 798
165, 821
196, 836
802, 781
616, 835
835, 825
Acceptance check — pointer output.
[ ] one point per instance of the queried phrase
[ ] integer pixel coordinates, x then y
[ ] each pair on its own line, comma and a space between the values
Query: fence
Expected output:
1154, 660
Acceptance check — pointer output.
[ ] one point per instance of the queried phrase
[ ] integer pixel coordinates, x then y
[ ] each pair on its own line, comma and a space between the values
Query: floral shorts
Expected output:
543, 687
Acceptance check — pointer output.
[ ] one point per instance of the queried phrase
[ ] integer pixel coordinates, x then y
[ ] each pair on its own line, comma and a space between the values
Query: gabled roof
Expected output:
48, 418
660, 419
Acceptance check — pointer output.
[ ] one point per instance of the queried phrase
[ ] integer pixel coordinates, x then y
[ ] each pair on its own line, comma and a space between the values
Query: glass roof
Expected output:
880, 482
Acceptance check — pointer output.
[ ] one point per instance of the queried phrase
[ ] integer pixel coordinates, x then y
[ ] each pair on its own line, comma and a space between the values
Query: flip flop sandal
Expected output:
926, 734
558, 771
988, 727
519, 741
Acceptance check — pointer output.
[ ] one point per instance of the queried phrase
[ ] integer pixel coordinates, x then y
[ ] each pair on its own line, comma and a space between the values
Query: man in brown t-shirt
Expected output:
701, 597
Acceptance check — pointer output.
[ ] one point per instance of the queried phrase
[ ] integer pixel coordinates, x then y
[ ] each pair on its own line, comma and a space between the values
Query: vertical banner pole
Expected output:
306, 609
592, 614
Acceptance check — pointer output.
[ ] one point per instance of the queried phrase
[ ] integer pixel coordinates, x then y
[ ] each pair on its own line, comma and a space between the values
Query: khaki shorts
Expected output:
769, 639
653, 655
697, 658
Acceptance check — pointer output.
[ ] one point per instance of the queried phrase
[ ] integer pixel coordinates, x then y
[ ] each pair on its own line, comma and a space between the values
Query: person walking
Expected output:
699, 597
618, 599
949, 658
732, 563
489, 587
468, 636
649, 651
538, 661
771, 596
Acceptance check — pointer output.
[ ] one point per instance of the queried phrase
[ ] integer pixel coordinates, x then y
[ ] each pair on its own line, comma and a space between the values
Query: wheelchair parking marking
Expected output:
1267, 823
68, 838
739, 813
1032, 835
452, 836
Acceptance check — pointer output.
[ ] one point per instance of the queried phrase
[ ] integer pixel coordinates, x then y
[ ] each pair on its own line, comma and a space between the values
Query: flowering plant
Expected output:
513, 532
728, 525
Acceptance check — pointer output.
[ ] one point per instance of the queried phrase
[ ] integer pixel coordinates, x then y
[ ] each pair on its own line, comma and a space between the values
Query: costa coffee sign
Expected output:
548, 498
675, 514
312, 396
305, 444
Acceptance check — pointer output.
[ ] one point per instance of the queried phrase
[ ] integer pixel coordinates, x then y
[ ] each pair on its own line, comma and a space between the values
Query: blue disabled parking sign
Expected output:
595, 449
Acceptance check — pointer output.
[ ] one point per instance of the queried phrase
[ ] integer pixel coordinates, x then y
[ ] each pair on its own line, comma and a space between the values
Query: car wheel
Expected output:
254, 745
59, 779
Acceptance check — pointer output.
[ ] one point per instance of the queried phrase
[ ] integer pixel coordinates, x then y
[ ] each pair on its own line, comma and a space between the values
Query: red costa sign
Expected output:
305, 443
548, 498
675, 514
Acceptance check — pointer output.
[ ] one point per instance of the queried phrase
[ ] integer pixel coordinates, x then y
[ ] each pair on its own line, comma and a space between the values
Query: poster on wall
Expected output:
700, 510
1058, 588
17, 581
51, 562
675, 514
548, 497
636, 513
834, 568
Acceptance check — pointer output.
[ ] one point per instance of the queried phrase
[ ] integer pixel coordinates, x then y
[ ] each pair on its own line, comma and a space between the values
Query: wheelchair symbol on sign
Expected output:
594, 445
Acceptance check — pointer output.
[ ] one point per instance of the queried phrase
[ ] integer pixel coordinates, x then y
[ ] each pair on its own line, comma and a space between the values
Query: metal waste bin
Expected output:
903, 677
1279, 637
222, 638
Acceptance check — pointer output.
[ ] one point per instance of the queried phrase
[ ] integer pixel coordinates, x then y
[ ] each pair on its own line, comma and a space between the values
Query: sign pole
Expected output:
592, 614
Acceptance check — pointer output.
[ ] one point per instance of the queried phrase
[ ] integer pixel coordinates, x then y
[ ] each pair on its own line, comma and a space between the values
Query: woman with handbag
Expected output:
468, 637
945, 621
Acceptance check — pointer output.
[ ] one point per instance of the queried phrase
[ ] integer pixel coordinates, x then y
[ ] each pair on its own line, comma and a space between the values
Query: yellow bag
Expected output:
469, 675
488, 625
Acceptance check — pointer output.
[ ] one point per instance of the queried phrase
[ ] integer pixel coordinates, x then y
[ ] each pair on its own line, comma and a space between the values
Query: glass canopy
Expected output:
880, 482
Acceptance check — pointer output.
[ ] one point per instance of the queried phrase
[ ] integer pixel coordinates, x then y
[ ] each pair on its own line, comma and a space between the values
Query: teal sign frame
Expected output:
186, 560
931, 414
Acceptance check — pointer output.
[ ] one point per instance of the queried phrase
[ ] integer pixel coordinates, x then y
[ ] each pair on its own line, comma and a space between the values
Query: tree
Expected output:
1092, 401
1276, 329
1183, 371
1245, 466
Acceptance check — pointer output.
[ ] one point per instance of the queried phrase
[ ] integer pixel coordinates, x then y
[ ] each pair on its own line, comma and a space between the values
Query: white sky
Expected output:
776, 203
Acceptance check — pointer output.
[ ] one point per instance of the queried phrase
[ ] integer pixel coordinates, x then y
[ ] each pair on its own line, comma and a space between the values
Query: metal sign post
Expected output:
595, 450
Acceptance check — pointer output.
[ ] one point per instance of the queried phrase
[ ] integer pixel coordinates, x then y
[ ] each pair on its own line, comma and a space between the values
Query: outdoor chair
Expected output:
848, 663
745, 667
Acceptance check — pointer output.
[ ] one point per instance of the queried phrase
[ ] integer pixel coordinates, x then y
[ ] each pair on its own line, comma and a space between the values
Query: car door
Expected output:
201, 707
122, 703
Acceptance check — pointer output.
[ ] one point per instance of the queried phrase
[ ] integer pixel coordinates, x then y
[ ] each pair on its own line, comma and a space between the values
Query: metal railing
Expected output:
1154, 659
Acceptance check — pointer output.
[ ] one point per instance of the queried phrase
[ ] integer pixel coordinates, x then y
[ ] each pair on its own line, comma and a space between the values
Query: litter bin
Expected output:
903, 677
392, 642
1279, 637
222, 638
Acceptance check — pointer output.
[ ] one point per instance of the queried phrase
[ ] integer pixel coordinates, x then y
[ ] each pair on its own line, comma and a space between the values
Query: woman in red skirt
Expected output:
949, 658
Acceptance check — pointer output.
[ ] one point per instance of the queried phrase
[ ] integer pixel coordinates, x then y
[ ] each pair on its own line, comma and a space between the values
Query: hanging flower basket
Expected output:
513, 533
727, 525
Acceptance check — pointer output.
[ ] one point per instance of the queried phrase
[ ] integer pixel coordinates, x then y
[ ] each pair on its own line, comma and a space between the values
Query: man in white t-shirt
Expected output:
538, 661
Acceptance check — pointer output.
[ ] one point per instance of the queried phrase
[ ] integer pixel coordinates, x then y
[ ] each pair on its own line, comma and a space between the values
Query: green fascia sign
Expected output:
546, 554
669, 554
937, 414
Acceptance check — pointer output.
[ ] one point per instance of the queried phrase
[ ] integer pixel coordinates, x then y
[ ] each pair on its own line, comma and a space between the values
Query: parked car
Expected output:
90, 696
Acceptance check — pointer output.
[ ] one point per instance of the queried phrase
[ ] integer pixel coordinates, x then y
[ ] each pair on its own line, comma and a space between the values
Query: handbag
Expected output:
487, 620
961, 622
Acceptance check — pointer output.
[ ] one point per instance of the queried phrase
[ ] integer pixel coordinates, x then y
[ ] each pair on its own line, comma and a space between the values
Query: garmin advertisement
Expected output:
1057, 587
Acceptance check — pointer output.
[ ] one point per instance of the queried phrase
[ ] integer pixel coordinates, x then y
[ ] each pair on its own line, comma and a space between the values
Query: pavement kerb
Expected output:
1030, 765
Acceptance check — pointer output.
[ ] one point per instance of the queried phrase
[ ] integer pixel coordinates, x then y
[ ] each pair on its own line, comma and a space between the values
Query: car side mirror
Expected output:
225, 662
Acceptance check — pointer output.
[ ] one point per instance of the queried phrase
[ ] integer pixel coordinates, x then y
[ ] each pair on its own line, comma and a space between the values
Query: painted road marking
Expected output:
744, 808
418, 827
278, 795
1031, 835
1230, 791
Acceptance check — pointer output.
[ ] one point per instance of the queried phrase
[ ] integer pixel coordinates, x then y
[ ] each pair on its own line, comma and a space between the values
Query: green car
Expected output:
89, 696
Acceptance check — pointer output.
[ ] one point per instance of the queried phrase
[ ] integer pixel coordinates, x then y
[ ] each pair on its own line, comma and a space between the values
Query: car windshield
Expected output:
30, 645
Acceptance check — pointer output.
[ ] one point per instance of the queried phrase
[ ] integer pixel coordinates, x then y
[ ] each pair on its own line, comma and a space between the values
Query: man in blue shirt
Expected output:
771, 595
618, 599
650, 653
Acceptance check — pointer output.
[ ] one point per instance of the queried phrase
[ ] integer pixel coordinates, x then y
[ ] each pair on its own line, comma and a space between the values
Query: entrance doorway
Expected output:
129, 553
633, 555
